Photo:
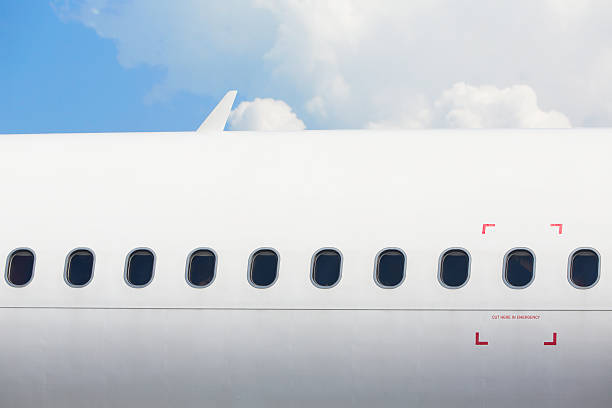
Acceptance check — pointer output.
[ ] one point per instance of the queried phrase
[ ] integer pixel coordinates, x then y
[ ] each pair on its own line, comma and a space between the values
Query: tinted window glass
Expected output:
519, 268
326, 268
454, 268
201, 268
263, 268
584, 268
20, 267
390, 268
80, 267
140, 267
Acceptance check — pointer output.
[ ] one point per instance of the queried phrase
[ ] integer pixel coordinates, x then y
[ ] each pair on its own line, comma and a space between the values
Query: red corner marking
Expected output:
483, 343
484, 227
560, 226
549, 343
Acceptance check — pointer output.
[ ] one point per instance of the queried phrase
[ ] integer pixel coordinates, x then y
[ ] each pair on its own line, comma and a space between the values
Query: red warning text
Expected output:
515, 317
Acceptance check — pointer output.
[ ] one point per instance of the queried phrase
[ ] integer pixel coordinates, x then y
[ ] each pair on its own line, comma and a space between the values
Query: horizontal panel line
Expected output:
299, 309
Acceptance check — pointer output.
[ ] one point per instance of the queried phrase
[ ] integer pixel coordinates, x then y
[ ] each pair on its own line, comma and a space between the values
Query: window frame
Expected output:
312, 267
188, 263
505, 268
67, 263
250, 267
127, 264
569, 267
376, 264
440, 263
8, 265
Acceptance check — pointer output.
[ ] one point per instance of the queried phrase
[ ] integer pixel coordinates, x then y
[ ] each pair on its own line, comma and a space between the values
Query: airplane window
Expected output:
454, 268
140, 266
79, 267
263, 268
390, 268
584, 268
20, 268
326, 268
519, 268
201, 267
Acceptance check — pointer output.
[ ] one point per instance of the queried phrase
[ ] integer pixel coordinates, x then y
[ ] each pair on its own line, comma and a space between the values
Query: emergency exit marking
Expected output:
553, 342
478, 342
560, 226
484, 227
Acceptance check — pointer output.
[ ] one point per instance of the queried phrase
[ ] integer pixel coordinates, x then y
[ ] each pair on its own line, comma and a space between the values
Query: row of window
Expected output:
326, 269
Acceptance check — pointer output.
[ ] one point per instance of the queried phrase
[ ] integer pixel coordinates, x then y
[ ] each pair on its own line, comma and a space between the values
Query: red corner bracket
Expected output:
478, 342
553, 342
560, 226
484, 227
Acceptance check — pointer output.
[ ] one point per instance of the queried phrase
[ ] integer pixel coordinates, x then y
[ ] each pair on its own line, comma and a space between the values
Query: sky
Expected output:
149, 65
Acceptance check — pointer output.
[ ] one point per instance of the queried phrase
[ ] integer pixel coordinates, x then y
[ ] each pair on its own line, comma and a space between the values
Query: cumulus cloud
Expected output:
465, 106
350, 63
488, 106
265, 114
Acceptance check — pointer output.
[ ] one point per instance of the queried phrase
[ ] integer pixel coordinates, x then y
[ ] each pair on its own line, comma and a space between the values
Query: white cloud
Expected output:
465, 106
488, 106
347, 63
264, 114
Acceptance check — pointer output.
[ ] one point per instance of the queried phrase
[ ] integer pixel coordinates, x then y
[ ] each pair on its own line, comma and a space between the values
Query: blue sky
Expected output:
62, 77
153, 65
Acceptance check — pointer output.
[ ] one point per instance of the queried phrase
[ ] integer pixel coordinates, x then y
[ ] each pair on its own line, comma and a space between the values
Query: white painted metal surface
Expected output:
108, 344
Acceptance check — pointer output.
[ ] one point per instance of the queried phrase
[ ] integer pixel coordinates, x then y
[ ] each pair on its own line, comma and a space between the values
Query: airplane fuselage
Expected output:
293, 343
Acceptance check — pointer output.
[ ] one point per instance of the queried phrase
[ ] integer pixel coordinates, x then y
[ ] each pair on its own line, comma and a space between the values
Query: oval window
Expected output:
326, 268
20, 267
263, 268
79, 267
584, 268
454, 268
519, 268
201, 267
390, 268
140, 267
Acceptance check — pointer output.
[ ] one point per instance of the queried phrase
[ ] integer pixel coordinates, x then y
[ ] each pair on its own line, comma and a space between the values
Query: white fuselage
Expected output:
293, 344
